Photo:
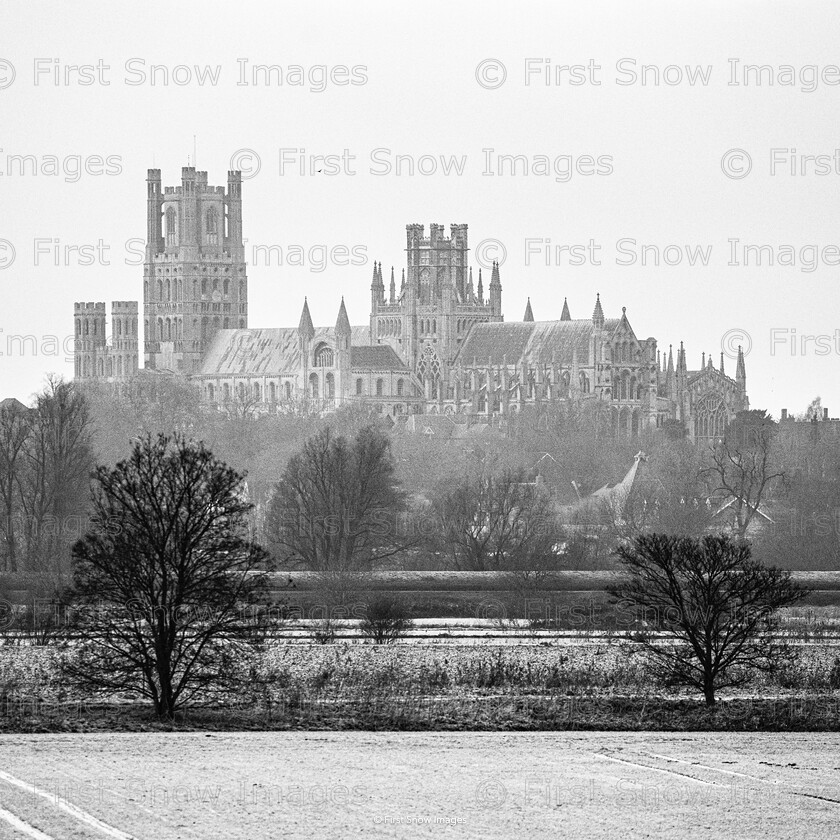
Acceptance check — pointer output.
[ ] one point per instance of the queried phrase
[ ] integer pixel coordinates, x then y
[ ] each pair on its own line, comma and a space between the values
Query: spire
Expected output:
393, 291
681, 365
470, 288
721, 362
565, 316
703, 361
402, 285
342, 323
670, 358
494, 276
529, 313
305, 328
598, 313
669, 373
740, 369
480, 288
374, 284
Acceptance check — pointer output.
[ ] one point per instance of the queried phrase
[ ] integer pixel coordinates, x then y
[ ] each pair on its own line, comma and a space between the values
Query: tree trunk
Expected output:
709, 690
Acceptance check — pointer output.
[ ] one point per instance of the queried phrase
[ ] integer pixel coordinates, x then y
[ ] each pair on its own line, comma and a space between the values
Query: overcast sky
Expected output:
629, 164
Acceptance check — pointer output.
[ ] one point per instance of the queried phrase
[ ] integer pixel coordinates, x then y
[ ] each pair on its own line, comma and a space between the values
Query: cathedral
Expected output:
437, 343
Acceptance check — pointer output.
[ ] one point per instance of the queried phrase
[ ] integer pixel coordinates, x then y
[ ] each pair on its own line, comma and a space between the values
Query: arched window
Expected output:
272, 392
226, 287
168, 288
87, 327
399, 387
211, 393
171, 226
323, 356
119, 366
100, 368
160, 329
240, 391
211, 225
359, 387
313, 385
329, 386
379, 387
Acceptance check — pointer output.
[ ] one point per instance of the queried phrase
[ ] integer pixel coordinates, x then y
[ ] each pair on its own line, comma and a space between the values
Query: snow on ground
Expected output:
392, 784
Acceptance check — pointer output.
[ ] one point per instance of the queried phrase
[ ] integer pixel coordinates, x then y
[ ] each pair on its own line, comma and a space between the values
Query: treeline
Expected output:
504, 497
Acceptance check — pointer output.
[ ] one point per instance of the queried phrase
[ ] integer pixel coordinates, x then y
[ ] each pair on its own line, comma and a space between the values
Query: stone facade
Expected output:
435, 346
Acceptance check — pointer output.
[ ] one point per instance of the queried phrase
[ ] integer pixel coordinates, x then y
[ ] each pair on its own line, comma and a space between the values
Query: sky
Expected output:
626, 149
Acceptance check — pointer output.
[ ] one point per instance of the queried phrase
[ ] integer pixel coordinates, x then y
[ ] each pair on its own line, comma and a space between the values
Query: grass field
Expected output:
476, 785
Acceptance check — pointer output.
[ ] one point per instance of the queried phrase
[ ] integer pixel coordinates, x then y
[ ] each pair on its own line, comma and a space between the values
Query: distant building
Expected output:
436, 345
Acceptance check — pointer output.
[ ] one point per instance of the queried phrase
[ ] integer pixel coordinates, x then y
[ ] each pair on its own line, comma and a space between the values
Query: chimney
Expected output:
784, 414
825, 414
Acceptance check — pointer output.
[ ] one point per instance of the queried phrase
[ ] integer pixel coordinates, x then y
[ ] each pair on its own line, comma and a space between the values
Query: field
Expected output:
477, 785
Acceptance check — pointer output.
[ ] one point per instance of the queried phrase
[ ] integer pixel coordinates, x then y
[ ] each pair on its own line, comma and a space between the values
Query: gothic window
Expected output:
100, 368
324, 356
211, 393
119, 366
399, 387
434, 326
359, 387
632, 394
145, 290
379, 386
240, 391
171, 226
160, 289
160, 329
584, 383
211, 221
204, 286
226, 288
329, 386
710, 417
313, 385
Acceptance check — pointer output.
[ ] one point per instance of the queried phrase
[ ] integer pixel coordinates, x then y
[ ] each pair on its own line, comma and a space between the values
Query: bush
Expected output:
386, 619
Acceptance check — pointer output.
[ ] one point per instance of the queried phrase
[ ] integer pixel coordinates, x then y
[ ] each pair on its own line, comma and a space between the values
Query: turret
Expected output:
342, 353
154, 211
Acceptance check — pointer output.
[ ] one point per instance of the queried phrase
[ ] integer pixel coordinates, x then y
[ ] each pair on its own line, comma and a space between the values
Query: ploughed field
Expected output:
396, 784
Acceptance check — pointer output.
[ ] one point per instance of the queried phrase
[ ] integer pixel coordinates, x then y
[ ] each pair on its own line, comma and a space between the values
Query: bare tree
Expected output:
497, 521
712, 601
165, 576
54, 481
337, 507
742, 468
14, 432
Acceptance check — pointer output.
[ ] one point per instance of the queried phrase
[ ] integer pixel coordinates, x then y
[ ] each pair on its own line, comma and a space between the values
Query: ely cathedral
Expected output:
436, 341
